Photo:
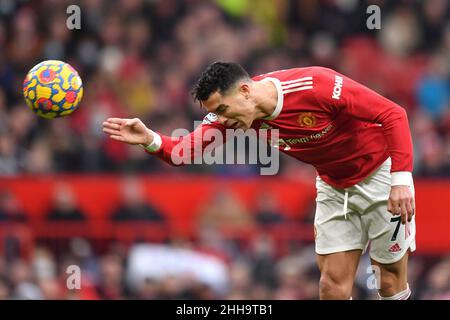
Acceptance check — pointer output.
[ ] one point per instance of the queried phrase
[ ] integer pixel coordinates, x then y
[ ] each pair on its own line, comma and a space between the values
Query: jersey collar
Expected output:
279, 106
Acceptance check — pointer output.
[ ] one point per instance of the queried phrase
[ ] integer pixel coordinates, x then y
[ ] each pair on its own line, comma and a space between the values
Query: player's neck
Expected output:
266, 98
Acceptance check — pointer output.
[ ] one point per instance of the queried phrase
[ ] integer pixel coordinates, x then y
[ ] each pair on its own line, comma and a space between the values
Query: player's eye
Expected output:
221, 109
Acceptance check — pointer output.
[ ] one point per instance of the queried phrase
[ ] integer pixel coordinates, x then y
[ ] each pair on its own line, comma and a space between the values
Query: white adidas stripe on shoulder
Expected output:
299, 84
298, 89
296, 80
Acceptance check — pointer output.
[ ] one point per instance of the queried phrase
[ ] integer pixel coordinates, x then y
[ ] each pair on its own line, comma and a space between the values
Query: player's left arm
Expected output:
342, 94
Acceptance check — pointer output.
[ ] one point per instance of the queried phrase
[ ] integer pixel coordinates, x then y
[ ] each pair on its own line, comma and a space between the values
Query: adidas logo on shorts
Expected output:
395, 248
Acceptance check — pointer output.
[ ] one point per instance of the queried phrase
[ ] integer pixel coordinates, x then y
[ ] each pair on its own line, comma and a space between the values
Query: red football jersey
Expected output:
342, 128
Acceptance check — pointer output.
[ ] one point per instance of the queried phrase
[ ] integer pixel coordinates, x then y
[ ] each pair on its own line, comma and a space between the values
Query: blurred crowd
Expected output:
234, 253
140, 58
148, 271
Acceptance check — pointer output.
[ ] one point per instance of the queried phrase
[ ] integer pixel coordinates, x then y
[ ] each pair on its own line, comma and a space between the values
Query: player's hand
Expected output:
131, 131
401, 202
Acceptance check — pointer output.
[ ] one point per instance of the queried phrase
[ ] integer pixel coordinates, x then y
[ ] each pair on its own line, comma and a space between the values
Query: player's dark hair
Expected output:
218, 76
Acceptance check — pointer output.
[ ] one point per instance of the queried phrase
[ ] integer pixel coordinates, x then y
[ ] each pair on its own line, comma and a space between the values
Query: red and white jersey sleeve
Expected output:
182, 150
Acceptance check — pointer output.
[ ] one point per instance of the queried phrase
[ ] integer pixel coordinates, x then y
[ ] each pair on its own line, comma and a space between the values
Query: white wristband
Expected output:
155, 145
401, 178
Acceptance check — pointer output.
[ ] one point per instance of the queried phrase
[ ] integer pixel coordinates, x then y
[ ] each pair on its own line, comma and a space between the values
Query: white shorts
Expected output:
365, 221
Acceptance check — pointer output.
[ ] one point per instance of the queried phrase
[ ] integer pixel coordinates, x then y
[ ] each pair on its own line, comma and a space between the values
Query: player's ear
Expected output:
244, 89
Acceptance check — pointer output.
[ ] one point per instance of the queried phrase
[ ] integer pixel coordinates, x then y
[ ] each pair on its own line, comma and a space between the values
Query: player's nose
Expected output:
223, 120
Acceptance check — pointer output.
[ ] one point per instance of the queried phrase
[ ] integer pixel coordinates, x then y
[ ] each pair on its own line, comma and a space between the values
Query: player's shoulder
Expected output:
297, 73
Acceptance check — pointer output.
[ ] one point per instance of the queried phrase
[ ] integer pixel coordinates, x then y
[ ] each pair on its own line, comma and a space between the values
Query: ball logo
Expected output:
307, 119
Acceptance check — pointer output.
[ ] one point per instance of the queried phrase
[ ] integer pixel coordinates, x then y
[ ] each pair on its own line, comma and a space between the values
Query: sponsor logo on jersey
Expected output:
280, 144
285, 144
338, 81
306, 119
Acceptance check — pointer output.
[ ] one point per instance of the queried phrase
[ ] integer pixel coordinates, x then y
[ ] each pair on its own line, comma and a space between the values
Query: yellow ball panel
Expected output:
65, 84
76, 83
54, 67
33, 83
58, 97
48, 115
67, 105
43, 92
41, 69
67, 112
31, 95
79, 96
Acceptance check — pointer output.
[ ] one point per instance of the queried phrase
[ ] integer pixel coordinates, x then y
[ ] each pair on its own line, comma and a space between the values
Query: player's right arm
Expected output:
173, 150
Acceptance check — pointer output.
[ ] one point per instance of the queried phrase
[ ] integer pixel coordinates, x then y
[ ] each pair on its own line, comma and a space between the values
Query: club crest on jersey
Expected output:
307, 119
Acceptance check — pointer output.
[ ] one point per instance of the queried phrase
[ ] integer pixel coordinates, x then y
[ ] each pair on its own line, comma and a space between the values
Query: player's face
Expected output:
234, 109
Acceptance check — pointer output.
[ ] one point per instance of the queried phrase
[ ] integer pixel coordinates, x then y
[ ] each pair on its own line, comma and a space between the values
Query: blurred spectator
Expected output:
111, 283
45, 269
433, 89
438, 281
5, 288
10, 209
225, 211
432, 158
134, 205
268, 211
147, 289
263, 256
23, 281
297, 275
241, 281
9, 162
13, 216
65, 207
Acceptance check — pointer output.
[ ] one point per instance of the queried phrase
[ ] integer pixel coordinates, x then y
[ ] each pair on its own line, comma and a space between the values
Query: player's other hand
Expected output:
131, 131
401, 202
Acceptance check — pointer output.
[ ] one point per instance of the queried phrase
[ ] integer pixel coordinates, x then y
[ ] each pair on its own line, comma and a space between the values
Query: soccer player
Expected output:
358, 141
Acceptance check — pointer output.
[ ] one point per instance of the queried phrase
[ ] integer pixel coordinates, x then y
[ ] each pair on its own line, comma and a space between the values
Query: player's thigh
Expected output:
340, 265
335, 231
393, 274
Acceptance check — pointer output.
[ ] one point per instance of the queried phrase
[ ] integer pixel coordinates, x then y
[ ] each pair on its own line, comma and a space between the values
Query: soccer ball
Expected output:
52, 89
